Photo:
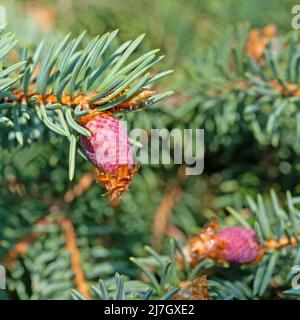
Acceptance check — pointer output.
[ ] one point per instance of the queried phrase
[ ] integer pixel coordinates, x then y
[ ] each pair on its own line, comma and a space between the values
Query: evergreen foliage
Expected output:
59, 237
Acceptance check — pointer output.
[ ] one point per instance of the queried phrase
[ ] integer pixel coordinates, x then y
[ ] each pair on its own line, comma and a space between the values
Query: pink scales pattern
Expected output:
109, 147
241, 244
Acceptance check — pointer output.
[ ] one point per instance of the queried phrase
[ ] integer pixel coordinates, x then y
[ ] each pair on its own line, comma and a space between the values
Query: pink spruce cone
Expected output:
110, 151
109, 145
232, 244
241, 245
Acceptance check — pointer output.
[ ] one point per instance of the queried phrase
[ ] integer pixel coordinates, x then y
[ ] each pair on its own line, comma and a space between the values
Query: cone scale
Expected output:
110, 151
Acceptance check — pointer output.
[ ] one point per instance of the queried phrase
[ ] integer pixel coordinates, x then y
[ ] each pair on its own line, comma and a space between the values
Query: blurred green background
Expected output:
178, 27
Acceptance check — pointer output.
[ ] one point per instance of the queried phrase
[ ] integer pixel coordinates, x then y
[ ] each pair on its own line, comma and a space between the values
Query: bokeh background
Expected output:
161, 202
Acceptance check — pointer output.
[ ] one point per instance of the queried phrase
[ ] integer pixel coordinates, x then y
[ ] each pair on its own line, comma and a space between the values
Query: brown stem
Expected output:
162, 215
80, 280
164, 210
280, 243
84, 100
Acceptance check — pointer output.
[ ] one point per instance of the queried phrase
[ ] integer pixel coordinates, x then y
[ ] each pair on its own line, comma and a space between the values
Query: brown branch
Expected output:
162, 215
21, 247
83, 185
164, 210
80, 280
82, 99
284, 241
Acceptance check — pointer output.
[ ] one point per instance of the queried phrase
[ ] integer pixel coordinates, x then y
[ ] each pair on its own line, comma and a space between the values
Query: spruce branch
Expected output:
21, 248
249, 84
276, 223
61, 82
